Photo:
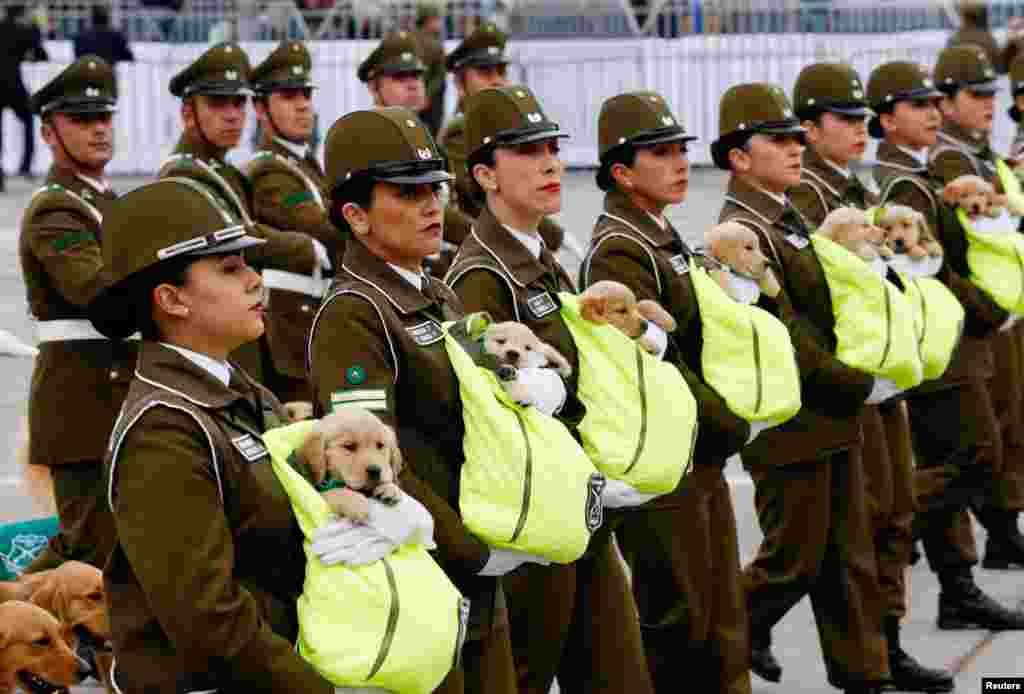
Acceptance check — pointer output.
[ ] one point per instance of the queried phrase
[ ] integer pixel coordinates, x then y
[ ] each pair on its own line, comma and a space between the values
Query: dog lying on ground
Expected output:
906, 231
615, 303
852, 229
353, 447
975, 196
738, 248
35, 651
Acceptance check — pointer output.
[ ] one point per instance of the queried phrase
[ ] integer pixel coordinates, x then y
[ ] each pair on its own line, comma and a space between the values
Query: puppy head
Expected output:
35, 651
514, 344
851, 229
902, 226
971, 193
74, 594
353, 446
611, 302
737, 246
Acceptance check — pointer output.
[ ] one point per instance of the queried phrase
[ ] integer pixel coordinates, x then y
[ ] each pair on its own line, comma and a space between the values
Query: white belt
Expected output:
70, 329
294, 282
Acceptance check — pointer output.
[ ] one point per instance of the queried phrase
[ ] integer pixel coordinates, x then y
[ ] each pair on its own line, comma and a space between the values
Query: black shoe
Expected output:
864, 689
969, 608
1003, 555
764, 665
908, 675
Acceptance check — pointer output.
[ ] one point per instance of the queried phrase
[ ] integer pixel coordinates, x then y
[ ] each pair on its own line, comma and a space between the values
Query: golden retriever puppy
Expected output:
351, 446
515, 345
737, 247
851, 229
975, 196
35, 651
614, 303
298, 410
906, 231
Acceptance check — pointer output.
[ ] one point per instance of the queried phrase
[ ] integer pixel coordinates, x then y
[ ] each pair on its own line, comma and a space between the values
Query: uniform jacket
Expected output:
822, 189
833, 393
904, 181
959, 152
629, 247
376, 342
203, 581
284, 199
980, 35
77, 384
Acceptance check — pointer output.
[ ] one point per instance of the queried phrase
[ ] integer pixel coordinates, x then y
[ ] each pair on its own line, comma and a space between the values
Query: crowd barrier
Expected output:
571, 79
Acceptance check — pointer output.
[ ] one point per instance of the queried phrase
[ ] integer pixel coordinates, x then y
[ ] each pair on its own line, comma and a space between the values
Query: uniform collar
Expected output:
972, 140
902, 158
824, 172
363, 265
504, 248
198, 147
102, 187
416, 279
221, 370
532, 242
617, 204
757, 200
164, 367
81, 185
296, 150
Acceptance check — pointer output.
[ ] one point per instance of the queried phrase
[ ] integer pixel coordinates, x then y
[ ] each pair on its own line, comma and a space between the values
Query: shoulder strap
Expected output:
266, 156
585, 267
365, 293
39, 196
893, 181
173, 162
457, 272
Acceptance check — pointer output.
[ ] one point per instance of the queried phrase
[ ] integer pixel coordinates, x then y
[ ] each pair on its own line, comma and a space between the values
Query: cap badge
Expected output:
989, 72
297, 69
858, 94
411, 123
92, 64
533, 117
92, 91
423, 152
402, 34
295, 47
928, 83
667, 120
622, 140
231, 75
493, 50
227, 49
787, 113
407, 56
520, 93
810, 101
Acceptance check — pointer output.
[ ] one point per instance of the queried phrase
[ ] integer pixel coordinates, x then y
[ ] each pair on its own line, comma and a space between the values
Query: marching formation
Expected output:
351, 427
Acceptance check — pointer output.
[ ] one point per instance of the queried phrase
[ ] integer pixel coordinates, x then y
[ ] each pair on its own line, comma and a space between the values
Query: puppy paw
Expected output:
885, 251
389, 493
348, 504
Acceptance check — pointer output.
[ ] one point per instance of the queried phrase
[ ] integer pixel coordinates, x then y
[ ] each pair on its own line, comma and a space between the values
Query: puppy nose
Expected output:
373, 472
513, 355
900, 244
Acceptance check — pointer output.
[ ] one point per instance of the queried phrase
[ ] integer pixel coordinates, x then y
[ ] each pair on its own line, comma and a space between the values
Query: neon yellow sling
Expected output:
397, 624
938, 319
747, 356
995, 257
641, 421
525, 484
874, 324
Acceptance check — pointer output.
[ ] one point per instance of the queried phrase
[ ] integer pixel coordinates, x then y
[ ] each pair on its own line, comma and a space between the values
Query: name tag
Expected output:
425, 333
250, 447
679, 264
797, 241
541, 304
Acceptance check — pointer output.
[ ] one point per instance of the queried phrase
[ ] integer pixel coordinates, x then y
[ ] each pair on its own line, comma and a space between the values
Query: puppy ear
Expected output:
594, 306
555, 357
653, 311
397, 461
313, 452
45, 593
952, 192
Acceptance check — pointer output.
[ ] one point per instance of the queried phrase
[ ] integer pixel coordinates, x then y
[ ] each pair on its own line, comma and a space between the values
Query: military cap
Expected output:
427, 10
833, 87
85, 86
288, 66
172, 218
895, 81
965, 66
385, 144
222, 70
637, 118
397, 52
1016, 83
506, 116
750, 109
483, 48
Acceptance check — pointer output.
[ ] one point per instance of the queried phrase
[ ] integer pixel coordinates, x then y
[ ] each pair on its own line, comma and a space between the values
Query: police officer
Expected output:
428, 35
376, 343
214, 91
967, 80
578, 621
974, 30
682, 550
479, 62
290, 192
953, 423
79, 376
808, 472
208, 565
831, 103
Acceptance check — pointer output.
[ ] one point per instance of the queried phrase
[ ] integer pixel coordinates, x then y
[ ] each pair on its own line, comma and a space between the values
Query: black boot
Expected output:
762, 662
908, 675
962, 605
1004, 548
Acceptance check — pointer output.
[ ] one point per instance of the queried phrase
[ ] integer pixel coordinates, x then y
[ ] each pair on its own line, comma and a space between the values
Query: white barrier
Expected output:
571, 79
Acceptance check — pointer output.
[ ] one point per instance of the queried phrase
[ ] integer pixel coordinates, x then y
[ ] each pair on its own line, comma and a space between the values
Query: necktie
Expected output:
856, 193
793, 222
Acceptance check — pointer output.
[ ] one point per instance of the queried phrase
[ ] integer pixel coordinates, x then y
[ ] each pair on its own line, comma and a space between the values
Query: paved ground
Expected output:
971, 654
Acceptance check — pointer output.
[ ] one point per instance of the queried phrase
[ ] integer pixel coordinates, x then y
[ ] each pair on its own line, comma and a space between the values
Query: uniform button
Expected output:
114, 374
305, 308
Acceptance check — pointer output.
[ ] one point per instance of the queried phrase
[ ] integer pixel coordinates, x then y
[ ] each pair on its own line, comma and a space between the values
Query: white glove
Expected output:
619, 494
756, 428
655, 335
406, 522
345, 542
502, 561
542, 388
1009, 322
323, 259
882, 391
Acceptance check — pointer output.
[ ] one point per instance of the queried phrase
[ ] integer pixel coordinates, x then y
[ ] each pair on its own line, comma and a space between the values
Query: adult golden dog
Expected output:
35, 651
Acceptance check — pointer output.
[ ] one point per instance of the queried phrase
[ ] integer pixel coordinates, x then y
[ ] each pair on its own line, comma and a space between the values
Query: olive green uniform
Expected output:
75, 380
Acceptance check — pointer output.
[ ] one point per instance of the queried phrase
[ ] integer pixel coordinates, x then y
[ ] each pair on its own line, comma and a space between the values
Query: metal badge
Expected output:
541, 304
426, 333
595, 507
250, 447
797, 241
679, 264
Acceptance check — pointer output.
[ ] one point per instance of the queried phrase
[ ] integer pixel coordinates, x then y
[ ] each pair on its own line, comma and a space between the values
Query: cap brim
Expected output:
220, 90
437, 176
532, 137
481, 61
232, 246
86, 107
397, 68
1014, 113
680, 136
987, 88
283, 84
795, 129
920, 93
862, 111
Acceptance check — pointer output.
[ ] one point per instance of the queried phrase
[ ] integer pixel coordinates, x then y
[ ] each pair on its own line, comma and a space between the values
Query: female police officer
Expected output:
377, 343
203, 579
503, 268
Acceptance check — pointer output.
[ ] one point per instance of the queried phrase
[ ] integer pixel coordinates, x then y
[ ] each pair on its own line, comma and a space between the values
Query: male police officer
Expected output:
80, 378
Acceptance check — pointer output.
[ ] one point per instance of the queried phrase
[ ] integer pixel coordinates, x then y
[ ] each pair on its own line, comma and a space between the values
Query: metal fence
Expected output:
203, 21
